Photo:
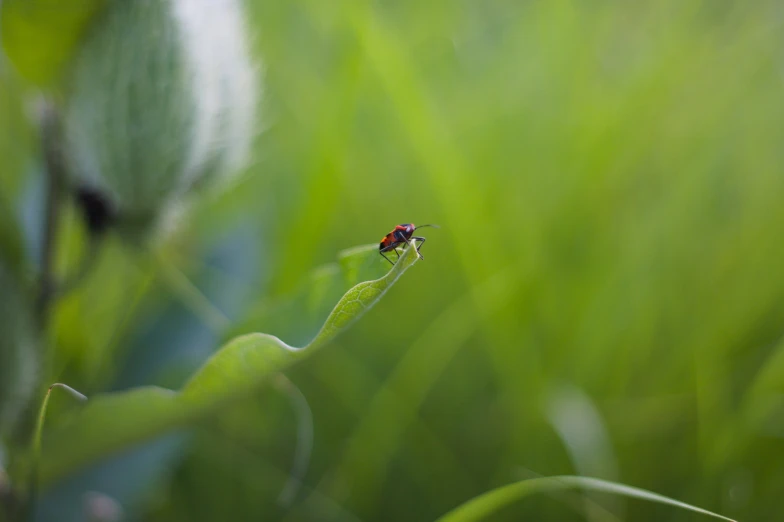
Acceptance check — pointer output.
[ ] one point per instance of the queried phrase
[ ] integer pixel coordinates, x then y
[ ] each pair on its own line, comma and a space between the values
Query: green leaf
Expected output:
112, 422
40, 36
488, 503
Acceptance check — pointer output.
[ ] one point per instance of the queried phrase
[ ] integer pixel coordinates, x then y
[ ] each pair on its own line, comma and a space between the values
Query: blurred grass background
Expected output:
605, 296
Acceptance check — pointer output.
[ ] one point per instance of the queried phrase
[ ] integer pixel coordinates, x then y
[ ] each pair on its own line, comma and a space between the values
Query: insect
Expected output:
402, 234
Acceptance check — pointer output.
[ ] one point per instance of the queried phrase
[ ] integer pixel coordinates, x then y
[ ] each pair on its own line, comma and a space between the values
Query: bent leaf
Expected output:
481, 507
112, 422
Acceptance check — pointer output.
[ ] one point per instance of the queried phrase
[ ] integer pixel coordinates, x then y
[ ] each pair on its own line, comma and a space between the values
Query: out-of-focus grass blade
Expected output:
488, 503
115, 421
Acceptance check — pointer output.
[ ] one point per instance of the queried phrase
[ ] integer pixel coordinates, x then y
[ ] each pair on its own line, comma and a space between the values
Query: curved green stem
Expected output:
36, 448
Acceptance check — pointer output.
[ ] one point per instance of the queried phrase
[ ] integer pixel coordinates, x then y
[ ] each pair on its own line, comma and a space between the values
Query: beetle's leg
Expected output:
417, 247
385, 257
393, 248
389, 248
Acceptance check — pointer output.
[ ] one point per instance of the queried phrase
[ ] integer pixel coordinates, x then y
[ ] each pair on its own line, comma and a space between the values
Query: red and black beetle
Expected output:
400, 235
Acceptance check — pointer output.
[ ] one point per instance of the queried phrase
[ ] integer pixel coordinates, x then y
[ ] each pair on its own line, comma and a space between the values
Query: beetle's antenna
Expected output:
422, 226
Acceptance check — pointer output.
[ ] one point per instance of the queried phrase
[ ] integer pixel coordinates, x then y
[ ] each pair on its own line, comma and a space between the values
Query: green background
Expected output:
605, 296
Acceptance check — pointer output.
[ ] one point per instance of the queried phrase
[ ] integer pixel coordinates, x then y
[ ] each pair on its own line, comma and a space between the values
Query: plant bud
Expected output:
161, 101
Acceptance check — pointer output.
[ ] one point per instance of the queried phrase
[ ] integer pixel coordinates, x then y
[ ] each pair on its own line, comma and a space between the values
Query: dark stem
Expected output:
54, 168
55, 181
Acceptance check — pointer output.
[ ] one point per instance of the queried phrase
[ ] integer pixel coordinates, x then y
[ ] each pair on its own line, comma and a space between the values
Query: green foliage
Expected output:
608, 182
41, 36
485, 505
113, 422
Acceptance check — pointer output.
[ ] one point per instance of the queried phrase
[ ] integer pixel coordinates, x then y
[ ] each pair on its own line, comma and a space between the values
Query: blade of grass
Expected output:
490, 502
394, 408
